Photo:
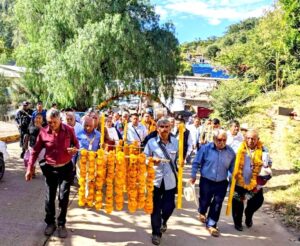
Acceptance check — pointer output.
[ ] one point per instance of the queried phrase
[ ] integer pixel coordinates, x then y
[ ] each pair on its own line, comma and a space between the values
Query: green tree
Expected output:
186, 69
292, 14
7, 28
231, 96
75, 51
4, 97
212, 51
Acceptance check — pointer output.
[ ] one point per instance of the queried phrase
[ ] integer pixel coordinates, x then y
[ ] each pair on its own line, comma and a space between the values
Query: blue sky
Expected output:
204, 18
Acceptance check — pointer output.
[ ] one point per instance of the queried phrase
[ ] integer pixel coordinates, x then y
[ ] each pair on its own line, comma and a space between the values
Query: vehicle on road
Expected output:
3, 157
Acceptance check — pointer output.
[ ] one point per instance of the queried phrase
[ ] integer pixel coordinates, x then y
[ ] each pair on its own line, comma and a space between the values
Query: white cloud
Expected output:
214, 22
214, 11
161, 11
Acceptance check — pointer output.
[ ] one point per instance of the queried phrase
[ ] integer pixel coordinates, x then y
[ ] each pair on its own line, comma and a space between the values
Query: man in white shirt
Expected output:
136, 131
195, 132
71, 121
187, 139
234, 136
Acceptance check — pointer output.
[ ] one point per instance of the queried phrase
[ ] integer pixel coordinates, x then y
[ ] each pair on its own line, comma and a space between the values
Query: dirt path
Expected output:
22, 212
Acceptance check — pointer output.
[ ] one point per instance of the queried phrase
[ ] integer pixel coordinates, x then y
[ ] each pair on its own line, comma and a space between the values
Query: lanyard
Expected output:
90, 140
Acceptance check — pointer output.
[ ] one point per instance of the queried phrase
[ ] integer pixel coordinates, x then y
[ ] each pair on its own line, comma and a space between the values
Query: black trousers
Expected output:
61, 178
163, 207
253, 204
212, 195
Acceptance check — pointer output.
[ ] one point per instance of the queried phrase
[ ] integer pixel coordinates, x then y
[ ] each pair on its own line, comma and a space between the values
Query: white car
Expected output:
3, 158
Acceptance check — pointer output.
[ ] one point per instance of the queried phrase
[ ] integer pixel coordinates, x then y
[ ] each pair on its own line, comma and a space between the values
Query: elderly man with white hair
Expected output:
214, 160
253, 163
71, 121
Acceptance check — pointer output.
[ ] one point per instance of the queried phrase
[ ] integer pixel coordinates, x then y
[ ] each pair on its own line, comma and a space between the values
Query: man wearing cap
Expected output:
61, 144
244, 128
23, 119
40, 110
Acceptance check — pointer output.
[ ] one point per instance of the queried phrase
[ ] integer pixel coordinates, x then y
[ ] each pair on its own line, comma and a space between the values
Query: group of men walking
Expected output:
220, 156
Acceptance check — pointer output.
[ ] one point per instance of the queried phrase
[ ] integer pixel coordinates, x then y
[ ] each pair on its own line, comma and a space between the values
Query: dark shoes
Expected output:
49, 229
249, 222
62, 232
163, 228
238, 227
156, 239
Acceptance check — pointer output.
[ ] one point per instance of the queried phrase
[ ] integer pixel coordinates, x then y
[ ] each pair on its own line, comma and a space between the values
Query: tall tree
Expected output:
6, 28
76, 51
292, 14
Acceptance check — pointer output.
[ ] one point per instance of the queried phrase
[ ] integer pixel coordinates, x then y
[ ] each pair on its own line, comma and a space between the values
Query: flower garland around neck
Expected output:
256, 162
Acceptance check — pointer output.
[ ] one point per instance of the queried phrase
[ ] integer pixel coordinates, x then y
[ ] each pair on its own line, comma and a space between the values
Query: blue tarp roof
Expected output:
205, 68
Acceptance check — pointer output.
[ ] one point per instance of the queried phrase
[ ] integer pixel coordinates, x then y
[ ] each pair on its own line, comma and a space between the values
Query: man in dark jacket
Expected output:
23, 119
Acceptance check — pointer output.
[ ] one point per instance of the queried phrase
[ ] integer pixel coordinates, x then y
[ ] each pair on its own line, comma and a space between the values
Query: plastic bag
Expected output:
189, 192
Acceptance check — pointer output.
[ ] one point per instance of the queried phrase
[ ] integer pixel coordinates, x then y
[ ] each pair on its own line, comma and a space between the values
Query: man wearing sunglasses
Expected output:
163, 146
213, 160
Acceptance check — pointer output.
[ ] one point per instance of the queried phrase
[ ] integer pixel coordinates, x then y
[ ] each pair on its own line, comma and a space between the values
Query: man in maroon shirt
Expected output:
61, 144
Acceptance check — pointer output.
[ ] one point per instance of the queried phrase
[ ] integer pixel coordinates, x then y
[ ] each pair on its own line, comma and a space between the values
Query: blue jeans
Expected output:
60, 177
212, 195
163, 207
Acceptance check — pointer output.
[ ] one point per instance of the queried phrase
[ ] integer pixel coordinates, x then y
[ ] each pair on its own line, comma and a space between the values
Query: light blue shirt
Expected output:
136, 133
213, 163
247, 171
89, 141
77, 128
163, 171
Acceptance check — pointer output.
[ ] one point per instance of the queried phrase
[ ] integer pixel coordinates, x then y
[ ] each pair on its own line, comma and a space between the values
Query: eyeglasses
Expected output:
163, 126
221, 140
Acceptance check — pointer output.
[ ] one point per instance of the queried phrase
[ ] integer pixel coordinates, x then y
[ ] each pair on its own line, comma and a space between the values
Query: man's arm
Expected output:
18, 118
231, 166
33, 157
196, 165
190, 144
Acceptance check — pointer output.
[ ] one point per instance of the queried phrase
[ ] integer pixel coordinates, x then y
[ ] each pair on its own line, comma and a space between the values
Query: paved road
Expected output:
22, 212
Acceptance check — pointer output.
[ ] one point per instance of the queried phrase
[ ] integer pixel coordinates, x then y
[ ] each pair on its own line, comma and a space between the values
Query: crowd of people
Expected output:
52, 138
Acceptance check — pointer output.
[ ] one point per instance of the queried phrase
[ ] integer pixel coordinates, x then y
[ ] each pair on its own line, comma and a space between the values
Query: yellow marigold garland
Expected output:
256, 161
109, 182
131, 184
113, 170
82, 179
91, 178
141, 180
100, 178
148, 208
120, 180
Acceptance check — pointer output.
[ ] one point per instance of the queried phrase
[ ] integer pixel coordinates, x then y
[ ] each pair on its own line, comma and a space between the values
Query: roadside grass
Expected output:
282, 137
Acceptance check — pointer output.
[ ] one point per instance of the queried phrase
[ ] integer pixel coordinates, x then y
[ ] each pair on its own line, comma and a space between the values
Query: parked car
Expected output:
3, 158
133, 104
